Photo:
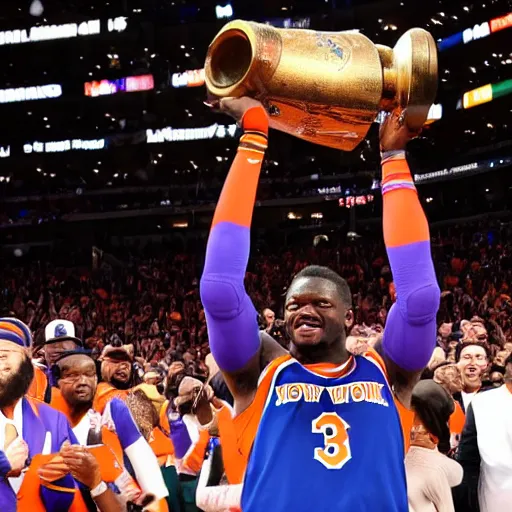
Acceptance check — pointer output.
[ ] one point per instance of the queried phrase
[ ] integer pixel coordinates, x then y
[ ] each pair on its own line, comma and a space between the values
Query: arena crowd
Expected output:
141, 418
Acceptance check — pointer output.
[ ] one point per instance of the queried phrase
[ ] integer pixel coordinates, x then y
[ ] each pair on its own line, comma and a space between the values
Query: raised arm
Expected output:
230, 315
410, 333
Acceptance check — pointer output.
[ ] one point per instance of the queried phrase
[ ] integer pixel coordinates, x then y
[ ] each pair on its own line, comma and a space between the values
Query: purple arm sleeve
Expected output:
410, 333
5, 465
126, 428
180, 437
231, 316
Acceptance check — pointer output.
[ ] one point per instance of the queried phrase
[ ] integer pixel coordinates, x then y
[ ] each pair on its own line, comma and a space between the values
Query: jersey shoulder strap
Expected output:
372, 355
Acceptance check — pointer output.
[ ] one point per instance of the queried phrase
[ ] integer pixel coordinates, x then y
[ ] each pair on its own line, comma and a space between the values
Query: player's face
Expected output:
314, 312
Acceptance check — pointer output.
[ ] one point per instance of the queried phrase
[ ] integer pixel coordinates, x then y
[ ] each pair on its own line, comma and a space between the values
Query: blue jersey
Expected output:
329, 440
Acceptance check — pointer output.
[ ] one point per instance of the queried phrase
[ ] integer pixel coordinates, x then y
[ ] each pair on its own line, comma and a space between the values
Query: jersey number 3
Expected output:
336, 450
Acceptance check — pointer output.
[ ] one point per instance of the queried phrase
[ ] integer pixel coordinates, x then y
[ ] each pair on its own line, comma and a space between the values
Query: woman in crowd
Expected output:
430, 473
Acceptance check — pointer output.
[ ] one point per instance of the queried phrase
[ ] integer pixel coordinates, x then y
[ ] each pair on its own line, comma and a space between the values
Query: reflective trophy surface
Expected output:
324, 87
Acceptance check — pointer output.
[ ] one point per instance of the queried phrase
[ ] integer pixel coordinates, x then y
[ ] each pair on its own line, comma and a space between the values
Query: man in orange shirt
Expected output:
118, 376
76, 376
60, 337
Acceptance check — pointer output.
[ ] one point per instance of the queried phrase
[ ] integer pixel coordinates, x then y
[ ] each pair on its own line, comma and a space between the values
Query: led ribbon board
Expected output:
65, 145
479, 31
215, 131
191, 78
38, 92
129, 84
486, 94
65, 31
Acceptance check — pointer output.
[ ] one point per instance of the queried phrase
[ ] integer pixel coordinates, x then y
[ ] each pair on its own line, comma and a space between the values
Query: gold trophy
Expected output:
324, 87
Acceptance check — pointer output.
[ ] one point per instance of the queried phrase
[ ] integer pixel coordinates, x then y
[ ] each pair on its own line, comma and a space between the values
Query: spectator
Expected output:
26, 423
117, 373
448, 375
269, 318
485, 450
472, 358
430, 473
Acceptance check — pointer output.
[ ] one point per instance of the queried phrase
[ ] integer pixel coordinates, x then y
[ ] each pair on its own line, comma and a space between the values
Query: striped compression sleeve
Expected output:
410, 333
230, 315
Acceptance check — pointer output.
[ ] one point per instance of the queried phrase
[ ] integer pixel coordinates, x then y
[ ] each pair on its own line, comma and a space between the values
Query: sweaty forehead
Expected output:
75, 362
62, 345
473, 350
312, 286
10, 346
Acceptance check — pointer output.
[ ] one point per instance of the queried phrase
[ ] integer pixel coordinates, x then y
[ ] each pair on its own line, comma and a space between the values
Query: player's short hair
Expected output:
461, 346
330, 275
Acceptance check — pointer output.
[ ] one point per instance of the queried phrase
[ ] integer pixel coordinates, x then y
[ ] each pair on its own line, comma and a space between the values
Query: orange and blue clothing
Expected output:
318, 423
409, 336
38, 387
46, 430
120, 433
105, 392
410, 333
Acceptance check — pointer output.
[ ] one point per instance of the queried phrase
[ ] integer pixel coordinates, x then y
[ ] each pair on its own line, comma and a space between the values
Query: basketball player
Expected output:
329, 435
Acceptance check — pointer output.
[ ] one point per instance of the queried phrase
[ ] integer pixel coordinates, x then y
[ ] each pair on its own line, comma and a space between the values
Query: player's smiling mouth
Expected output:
307, 324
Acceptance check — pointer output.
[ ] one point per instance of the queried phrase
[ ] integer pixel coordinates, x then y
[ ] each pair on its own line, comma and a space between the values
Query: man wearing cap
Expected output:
117, 373
75, 374
59, 337
27, 429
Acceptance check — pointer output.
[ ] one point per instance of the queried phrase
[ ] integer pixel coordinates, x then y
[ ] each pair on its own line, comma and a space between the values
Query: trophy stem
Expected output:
388, 101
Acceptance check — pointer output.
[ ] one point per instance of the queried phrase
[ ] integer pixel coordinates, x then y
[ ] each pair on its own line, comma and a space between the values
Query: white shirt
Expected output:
193, 428
493, 420
17, 421
466, 398
81, 430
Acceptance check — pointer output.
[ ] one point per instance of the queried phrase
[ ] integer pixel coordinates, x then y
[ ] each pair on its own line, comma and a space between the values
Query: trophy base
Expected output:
415, 66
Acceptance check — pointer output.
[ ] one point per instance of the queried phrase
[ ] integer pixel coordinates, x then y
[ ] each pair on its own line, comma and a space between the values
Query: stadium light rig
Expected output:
223, 12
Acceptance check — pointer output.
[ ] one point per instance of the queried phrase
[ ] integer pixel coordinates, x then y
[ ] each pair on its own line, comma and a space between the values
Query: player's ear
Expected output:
349, 319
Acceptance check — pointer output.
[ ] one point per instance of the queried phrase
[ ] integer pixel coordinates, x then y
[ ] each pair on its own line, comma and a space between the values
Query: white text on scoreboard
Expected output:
64, 145
215, 131
65, 31
38, 92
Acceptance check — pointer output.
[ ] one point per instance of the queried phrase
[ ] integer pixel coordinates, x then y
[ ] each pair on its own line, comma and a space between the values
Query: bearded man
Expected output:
118, 376
29, 428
